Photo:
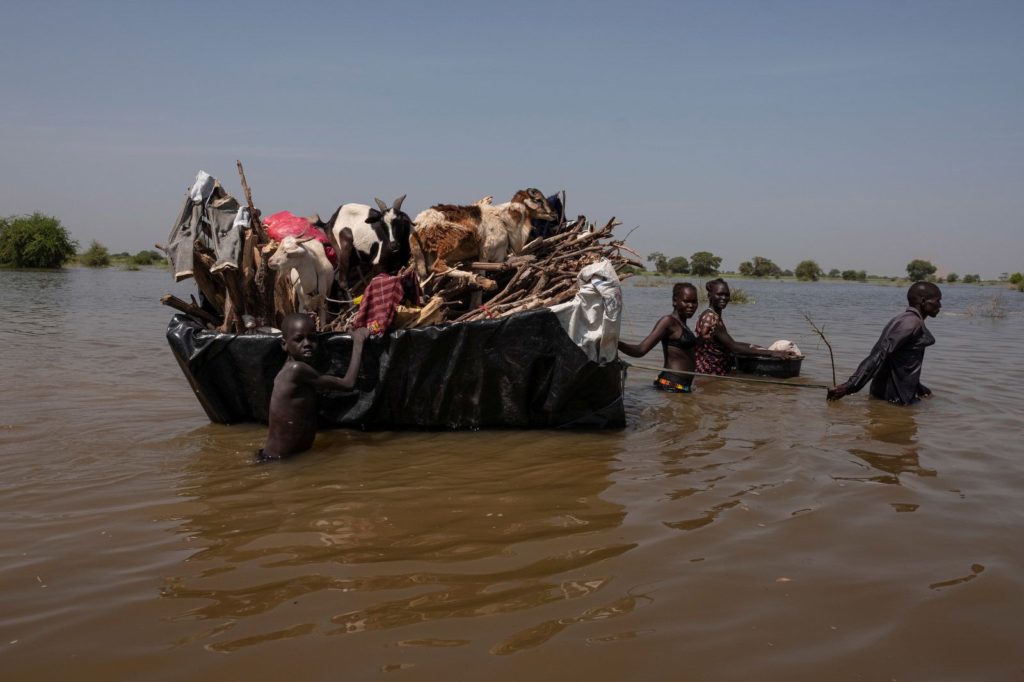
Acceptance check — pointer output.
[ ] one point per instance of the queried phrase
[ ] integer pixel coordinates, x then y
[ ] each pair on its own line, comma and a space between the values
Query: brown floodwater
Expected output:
744, 532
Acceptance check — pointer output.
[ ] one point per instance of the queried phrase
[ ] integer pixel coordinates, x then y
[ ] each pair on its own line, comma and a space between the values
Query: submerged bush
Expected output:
146, 257
96, 256
35, 241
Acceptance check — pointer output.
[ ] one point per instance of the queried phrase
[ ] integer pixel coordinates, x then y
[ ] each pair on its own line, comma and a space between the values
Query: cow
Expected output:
378, 237
310, 273
447, 234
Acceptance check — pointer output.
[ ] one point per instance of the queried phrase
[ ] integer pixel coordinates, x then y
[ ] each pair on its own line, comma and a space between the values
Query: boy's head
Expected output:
298, 337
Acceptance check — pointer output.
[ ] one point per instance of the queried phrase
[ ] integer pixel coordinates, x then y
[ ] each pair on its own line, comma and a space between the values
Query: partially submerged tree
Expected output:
704, 263
146, 257
807, 270
764, 267
35, 241
919, 270
96, 256
660, 262
678, 265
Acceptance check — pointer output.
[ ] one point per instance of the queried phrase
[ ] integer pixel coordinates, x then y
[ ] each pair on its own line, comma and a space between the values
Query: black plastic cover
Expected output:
521, 371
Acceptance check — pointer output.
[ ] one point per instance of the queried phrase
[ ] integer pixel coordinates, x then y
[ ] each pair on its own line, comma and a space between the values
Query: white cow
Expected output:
310, 272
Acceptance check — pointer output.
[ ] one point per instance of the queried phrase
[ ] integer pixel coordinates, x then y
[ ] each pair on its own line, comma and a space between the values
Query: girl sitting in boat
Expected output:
716, 348
677, 341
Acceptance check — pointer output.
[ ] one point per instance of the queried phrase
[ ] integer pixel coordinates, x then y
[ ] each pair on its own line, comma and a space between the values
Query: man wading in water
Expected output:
293, 410
894, 365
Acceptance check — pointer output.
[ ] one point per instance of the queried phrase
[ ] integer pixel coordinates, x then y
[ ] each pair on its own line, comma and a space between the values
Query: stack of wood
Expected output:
544, 274
245, 299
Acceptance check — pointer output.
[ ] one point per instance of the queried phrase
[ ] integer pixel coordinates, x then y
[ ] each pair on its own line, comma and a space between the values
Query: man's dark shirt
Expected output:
894, 364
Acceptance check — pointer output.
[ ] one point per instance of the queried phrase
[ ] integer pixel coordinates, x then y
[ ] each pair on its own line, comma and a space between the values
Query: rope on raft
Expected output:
728, 378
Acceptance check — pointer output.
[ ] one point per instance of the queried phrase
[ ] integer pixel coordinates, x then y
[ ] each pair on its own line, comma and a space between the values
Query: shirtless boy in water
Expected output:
293, 410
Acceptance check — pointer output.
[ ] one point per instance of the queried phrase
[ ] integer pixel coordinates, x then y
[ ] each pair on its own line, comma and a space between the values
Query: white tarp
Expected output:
593, 318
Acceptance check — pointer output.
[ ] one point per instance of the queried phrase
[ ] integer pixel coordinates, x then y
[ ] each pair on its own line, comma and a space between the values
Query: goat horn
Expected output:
383, 206
398, 203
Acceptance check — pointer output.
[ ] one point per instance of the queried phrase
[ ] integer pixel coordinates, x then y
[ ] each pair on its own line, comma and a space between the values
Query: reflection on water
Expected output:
891, 443
736, 533
395, 540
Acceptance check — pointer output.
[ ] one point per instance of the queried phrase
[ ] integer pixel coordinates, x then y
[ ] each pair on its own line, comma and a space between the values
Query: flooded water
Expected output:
745, 532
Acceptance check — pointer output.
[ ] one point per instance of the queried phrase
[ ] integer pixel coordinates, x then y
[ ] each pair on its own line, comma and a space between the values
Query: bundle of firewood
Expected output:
252, 296
544, 274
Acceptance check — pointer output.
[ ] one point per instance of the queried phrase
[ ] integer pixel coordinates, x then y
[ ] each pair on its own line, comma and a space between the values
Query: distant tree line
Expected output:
41, 241
700, 264
705, 263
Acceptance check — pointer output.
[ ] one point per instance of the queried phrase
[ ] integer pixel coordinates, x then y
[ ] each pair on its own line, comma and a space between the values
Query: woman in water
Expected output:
716, 349
677, 341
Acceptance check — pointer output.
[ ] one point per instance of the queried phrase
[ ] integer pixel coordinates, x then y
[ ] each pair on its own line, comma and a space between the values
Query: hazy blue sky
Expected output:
859, 134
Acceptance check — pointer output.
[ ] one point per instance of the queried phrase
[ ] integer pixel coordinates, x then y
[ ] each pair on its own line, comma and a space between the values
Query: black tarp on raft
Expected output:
521, 371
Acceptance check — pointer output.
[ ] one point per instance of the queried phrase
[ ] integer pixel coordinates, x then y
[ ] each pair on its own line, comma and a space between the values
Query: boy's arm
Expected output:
327, 382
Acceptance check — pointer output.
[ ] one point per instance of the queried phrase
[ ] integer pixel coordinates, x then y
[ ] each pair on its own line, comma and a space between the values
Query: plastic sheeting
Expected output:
593, 318
521, 371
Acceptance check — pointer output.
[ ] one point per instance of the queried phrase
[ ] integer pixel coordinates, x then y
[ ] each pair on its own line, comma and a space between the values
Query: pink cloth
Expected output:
286, 224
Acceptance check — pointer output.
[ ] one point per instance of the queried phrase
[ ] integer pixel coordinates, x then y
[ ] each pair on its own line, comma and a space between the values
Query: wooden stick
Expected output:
821, 333
727, 377
190, 309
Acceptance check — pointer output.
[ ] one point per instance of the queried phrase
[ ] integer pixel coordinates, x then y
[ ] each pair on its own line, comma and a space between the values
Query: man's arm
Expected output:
327, 382
896, 333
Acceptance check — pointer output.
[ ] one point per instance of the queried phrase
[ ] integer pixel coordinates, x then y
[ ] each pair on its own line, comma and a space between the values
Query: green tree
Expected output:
834, 273
35, 241
678, 265
704, 263
808, 270
787, 273
918, 270
971, 279
660, 262
1016, 278
952, 277
96, 256
764, 267
747, 269
146, 257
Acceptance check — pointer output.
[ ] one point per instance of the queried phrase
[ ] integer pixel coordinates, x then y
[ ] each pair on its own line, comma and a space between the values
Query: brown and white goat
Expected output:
445, 235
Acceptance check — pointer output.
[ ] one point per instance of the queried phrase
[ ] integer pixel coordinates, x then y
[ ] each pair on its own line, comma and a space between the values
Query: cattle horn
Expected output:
383, 206
398, 203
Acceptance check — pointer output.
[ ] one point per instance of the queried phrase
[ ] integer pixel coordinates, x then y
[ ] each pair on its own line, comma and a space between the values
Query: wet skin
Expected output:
670, 327
718, 298
293, 403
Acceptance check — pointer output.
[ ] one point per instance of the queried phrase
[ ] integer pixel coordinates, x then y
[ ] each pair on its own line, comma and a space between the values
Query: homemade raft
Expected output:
522, 371
531, 343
